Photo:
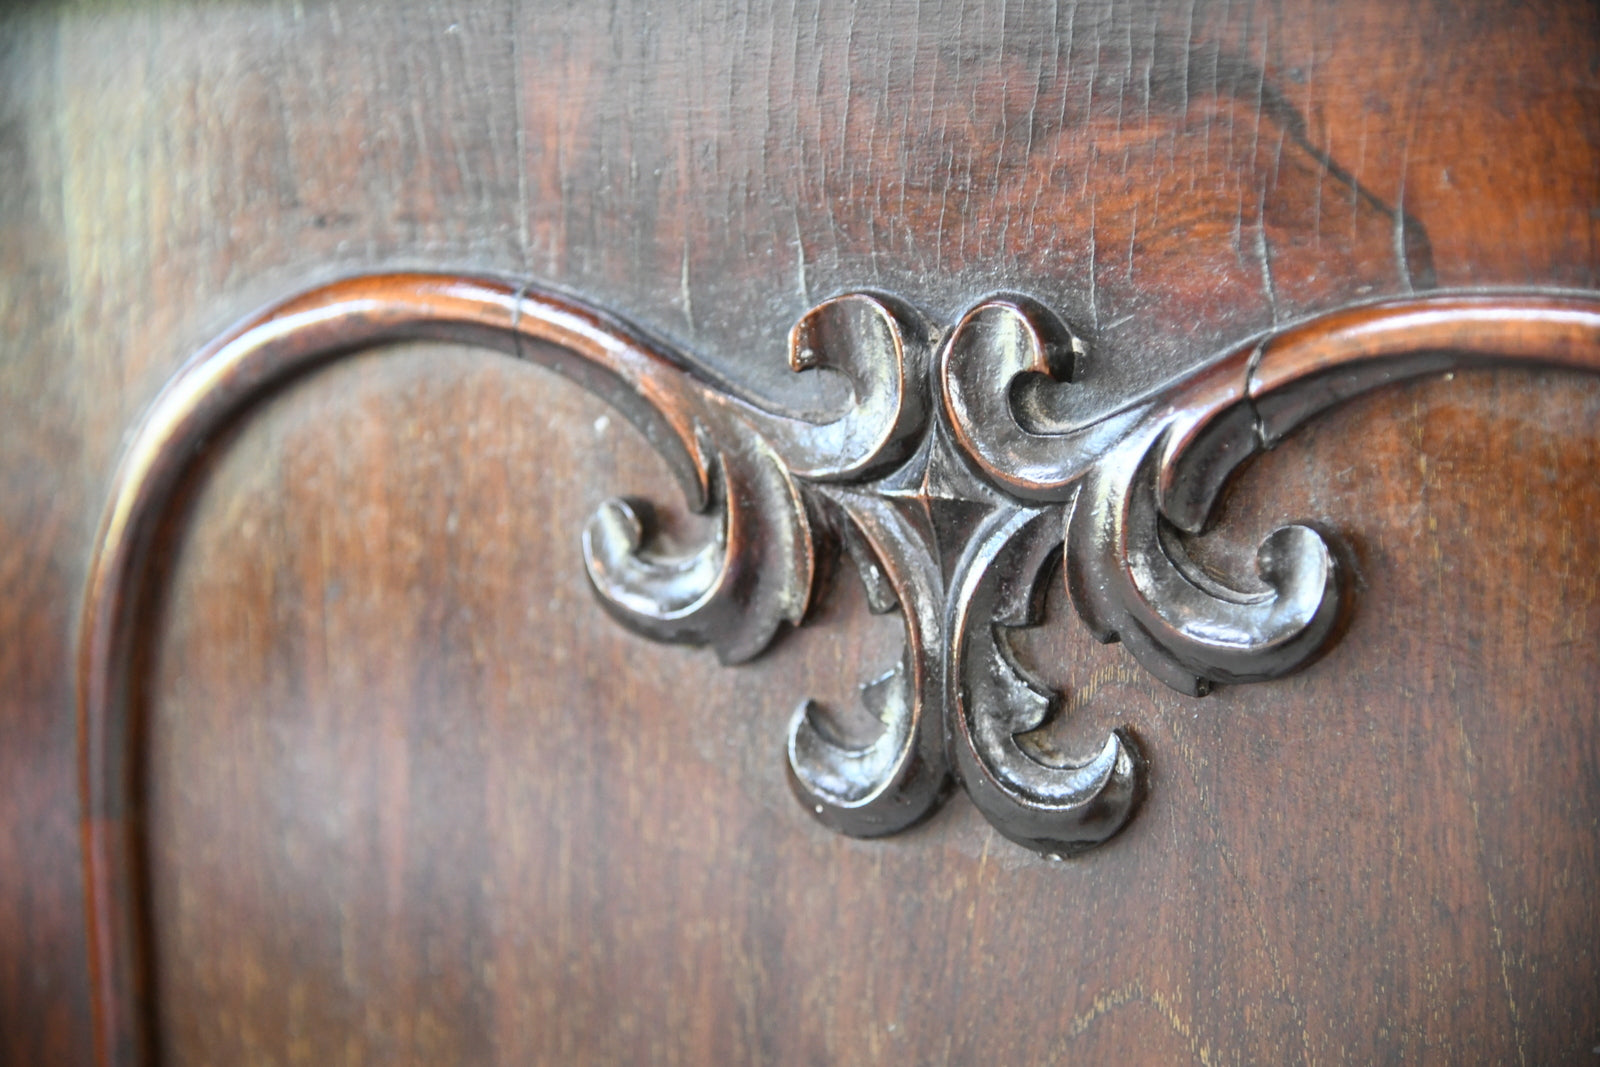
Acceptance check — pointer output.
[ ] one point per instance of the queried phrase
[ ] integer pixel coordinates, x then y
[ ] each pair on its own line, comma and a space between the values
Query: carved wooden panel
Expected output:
897, 354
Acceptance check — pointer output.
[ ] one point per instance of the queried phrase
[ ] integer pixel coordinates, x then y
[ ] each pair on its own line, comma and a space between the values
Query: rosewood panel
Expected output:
405, 791
1361, 835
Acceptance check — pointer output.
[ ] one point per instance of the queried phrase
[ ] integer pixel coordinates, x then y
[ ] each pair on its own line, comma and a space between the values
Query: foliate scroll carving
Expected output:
951, 479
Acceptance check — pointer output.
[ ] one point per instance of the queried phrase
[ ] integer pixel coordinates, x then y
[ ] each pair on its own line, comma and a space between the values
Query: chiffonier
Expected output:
1046, 531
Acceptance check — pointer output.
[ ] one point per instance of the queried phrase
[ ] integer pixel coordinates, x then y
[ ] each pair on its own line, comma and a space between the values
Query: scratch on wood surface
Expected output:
801, 284
1205, 130
1134, 993
1094, 309
1361, 168
834, 230
1248, 896
1470, 759
1066, 75
1439, 572
1264, 254
518, 133
1127, 72
1238, 224
1259, 75
1271, 181
1188, 59
1322, 176
1133, 233
1400, 260
683, 285
1001, 242
1033, 114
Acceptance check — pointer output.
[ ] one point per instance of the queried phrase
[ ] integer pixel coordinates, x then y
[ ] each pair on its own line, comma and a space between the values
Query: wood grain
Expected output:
409, 790
1359, 900
44, 533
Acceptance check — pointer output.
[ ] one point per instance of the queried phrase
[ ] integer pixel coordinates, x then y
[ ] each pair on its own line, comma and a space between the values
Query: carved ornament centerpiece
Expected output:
949, 479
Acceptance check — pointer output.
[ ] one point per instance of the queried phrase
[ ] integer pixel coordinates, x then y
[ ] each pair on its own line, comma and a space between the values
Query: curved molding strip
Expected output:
949, 490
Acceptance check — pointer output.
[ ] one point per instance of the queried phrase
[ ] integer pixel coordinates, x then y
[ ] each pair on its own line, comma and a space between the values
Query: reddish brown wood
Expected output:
44, 498
212, 390
411, 857
679, 911
1284, 378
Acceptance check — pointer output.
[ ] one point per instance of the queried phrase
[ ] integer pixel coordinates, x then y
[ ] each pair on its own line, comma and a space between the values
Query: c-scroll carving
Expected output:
951, 490
1052, 809
734, 593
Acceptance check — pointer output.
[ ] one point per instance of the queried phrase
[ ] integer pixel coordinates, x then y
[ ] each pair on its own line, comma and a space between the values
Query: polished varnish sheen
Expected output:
372, 776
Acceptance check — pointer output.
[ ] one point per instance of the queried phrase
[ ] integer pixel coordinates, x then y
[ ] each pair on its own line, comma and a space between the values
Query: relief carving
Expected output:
949, 481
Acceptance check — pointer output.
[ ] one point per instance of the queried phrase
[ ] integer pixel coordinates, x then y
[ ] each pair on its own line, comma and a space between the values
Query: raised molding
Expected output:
948, 482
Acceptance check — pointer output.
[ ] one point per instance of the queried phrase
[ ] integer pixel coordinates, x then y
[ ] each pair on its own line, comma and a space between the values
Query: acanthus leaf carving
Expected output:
752, 576
951, 489
1055, 808
898, 778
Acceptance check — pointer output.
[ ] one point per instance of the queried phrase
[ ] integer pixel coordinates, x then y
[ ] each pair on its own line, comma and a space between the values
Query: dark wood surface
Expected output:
412, 797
